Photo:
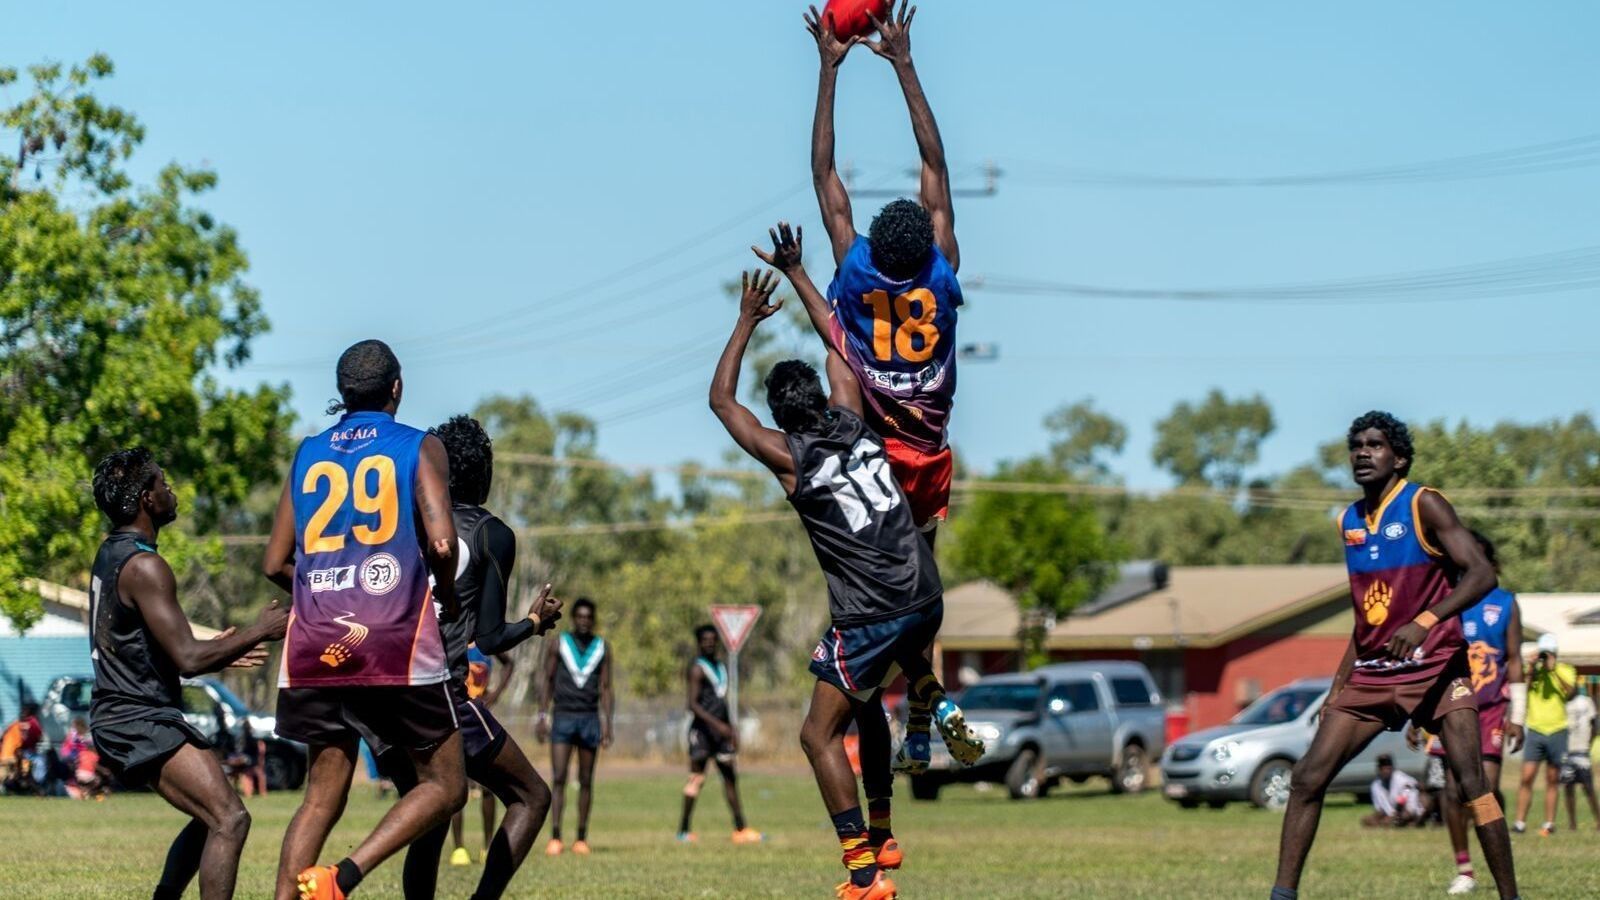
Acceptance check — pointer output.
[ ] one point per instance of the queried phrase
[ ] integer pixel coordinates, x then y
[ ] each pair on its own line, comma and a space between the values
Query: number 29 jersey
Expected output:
899, 337
877, 565
363, 607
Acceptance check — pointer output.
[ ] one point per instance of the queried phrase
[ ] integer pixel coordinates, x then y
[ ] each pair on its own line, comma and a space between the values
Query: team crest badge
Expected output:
1470, 629
1491, 615
1394, 531
821, 653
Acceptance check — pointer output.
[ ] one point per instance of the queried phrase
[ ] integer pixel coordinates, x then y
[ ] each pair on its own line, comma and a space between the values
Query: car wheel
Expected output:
1132, 776
1269, 786
925, 787
1217, 804
1023, 778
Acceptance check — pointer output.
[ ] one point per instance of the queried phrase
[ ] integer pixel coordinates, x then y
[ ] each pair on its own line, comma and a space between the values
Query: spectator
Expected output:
22, 768
1550, 685
81, 762
1578, 770
1396, 798
242, 762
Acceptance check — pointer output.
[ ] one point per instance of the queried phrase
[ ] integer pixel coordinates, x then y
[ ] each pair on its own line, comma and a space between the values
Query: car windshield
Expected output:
1282, 705
1014, 697
234, 703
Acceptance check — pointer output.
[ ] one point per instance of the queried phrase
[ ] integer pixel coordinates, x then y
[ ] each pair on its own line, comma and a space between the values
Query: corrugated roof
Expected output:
1201, 606
75, 601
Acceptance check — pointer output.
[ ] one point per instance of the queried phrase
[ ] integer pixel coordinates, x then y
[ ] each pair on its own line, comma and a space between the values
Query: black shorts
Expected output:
1577, 769
134, 749
577, 729
408, 717
703, 745
860, 659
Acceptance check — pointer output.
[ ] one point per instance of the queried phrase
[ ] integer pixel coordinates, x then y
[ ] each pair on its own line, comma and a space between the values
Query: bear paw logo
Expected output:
336, 655
1376, 603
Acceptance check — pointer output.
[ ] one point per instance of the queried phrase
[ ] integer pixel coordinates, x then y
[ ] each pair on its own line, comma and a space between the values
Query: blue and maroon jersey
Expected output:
363, 607
899, 337
1484, 626
1395, 574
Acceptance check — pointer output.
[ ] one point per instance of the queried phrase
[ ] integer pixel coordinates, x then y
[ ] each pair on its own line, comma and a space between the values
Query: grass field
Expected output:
970, 844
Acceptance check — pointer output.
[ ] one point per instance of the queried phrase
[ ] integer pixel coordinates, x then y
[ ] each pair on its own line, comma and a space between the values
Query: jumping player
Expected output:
577, 682
364, 654
141, 645
1414, 568
1493, 632
884, 594
487, 555
711, 735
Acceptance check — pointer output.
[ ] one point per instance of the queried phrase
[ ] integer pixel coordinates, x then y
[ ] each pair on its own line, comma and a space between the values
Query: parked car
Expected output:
1250, 758
1069, 720
285, 760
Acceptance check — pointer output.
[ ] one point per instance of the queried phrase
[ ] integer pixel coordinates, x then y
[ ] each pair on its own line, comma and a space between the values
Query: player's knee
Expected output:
232, 823
1309, 777
696, 782
814, 739
537, 796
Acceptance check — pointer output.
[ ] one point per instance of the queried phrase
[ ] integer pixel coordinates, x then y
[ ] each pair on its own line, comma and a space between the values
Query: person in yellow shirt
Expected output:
1550, 685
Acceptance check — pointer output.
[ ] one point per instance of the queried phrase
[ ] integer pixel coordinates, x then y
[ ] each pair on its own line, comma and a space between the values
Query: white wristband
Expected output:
1519, 704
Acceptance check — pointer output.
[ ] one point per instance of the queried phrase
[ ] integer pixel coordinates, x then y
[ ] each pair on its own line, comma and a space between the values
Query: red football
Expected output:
850, 16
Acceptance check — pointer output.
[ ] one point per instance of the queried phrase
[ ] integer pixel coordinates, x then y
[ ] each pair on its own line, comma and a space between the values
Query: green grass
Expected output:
1079, 843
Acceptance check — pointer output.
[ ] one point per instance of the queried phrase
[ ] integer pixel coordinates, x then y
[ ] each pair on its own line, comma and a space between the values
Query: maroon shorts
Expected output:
1424, 702
1491, 730
925, 478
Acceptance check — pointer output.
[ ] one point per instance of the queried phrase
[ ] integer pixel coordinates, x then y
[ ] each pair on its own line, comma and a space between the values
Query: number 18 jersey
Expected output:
876, 564
900, 339
363, 608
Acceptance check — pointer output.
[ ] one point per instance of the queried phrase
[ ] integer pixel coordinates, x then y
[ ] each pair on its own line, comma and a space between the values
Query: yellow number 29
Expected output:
382, 501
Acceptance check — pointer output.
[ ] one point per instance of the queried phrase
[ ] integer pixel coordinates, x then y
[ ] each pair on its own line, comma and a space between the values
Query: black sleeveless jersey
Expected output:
472, 567
578, 673
132, 674
713, 689
877, 565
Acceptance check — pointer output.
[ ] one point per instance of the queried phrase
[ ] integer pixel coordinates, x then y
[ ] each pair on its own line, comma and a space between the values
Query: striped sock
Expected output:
878, 829
925, 695
858, 856
1464, 863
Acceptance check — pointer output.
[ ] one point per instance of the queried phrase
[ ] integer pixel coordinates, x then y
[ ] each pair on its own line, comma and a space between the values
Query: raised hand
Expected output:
546, 611
253, 658
829, 47
758, 287
894, 33
786, 255
274, 620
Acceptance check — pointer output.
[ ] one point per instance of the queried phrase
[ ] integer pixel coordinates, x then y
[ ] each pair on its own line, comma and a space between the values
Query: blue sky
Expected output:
442, 178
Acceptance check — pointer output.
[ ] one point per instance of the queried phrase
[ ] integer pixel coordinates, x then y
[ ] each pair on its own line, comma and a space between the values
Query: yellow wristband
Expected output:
1426, 619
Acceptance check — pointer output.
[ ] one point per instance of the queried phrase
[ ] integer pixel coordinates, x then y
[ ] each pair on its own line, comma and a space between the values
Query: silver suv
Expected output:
1251, 757
1070, 720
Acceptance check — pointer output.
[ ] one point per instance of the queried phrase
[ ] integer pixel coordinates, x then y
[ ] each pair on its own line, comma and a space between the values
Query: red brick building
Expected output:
1215, 638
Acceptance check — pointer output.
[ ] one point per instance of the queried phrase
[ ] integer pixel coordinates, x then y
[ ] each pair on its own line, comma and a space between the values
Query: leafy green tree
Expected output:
1213, 442
1082, 440
116, 308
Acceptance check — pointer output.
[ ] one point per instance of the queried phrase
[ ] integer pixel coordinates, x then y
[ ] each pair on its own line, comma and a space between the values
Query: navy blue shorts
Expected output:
481, 733
861, 659
577, 729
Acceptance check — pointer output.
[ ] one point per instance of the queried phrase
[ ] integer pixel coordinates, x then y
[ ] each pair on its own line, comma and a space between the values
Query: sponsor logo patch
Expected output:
1355, 537
1394, 531
380, 573
821, 653
1459, 691
342, 578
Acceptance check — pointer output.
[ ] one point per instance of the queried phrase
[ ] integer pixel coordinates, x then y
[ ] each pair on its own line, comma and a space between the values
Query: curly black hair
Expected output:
700, 631
471, 456
794, 394
1394, 431
120, 479
901, 238
583, 603
367, 372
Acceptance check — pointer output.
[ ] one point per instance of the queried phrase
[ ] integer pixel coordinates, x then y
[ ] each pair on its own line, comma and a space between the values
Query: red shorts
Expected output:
1491, 730
925, 477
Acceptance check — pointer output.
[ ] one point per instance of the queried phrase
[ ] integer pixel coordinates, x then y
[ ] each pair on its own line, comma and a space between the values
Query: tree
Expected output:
1049, 550
114, 312
1082, 439
1213, 443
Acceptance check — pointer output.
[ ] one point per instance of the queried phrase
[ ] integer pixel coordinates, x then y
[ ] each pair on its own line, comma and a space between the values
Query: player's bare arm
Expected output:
844, 390
508, 665
694, 681
1438, 518
147, 583
277, 563
433, 507
547, 695
832, 197
788, 257
894, 44
767, 445
1514, 674
608, 697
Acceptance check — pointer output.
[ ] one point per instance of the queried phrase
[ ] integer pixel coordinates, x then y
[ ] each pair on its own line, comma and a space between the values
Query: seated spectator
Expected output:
242, 761
22, 767
82, 763
1396, 798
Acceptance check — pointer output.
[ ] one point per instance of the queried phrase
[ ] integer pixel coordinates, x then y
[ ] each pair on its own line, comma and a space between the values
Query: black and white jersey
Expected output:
877, 565
132, 673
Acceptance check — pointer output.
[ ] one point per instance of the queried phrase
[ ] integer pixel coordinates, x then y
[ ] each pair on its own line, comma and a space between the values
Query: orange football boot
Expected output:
889, 855
319, 883
581, 847
748, 836
881, 888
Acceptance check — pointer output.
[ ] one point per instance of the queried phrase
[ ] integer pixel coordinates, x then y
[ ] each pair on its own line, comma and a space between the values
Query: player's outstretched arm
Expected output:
1462, 549
844, 389
433, 506
277, 563
832, 197
894, 44
767, 445
788, 257
493, 634
148, 582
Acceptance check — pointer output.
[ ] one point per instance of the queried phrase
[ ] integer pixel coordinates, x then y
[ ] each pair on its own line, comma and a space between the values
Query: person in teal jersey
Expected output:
577, 684
711, 735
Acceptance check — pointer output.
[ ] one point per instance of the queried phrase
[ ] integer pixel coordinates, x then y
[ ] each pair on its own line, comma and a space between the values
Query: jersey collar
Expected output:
1373, 520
